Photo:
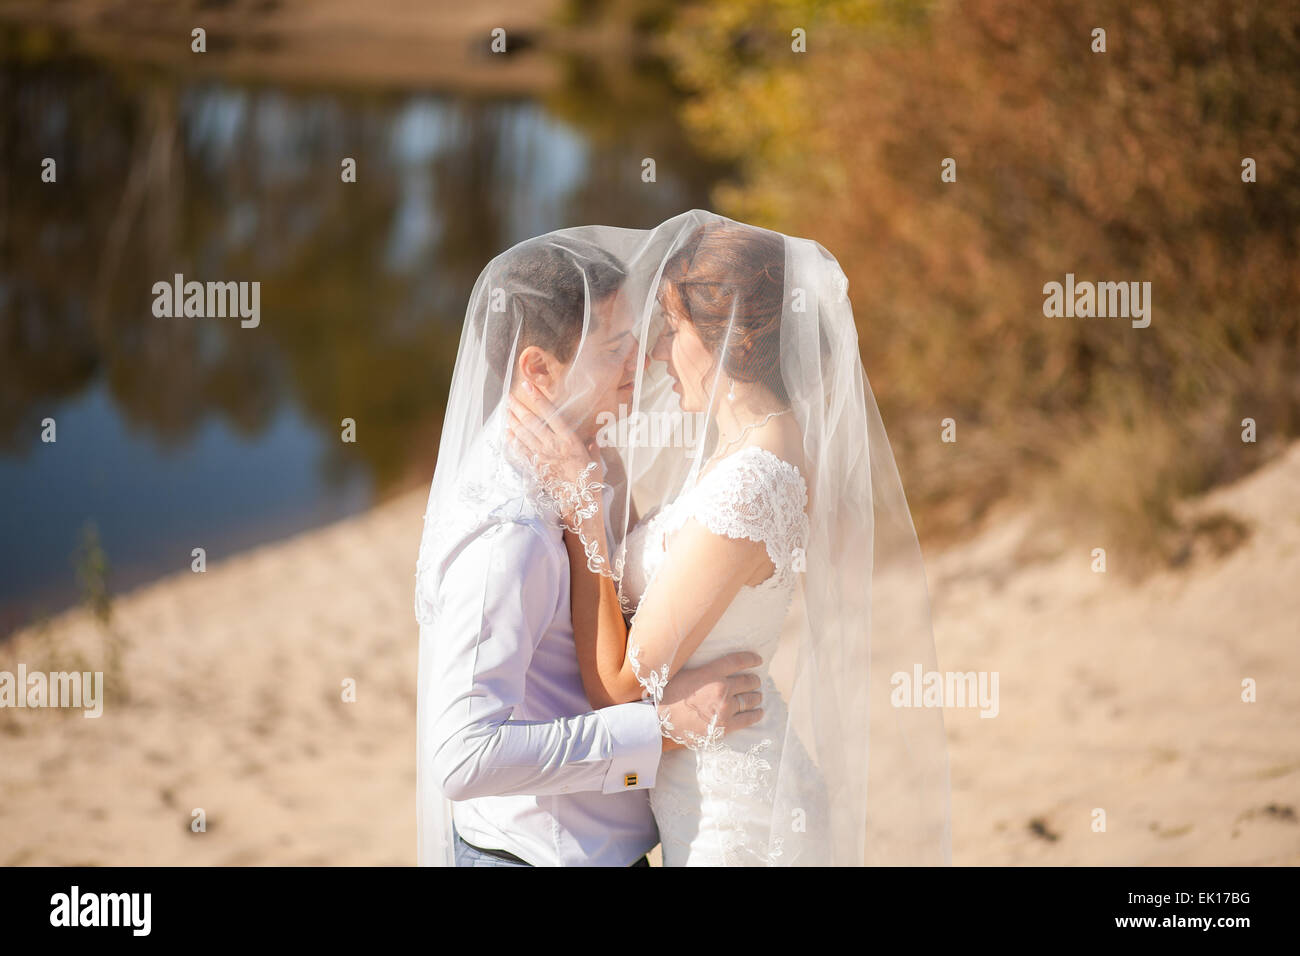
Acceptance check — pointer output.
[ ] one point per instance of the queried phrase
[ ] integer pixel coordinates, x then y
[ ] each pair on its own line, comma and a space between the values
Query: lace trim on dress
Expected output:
729, 778
752, 494
759, 497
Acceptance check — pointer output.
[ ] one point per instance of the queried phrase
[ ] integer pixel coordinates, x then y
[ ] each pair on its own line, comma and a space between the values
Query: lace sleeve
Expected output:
753, 494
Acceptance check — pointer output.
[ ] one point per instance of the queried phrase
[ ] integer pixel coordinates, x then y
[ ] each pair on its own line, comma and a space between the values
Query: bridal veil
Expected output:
777, 321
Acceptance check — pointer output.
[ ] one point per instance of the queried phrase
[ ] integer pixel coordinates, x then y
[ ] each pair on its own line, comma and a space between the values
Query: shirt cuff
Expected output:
637, 745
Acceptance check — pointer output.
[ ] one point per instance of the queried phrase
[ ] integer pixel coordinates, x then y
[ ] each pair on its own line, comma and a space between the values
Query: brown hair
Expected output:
727, 266
549, 281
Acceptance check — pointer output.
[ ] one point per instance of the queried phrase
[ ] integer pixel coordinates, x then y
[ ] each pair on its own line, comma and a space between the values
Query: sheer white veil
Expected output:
861, 776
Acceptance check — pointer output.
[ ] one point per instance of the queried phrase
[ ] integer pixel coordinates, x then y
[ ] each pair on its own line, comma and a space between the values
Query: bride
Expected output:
784, 533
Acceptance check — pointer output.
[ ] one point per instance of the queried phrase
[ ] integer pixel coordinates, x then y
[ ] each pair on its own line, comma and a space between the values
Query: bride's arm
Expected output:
616, 476
701, 574
599, 631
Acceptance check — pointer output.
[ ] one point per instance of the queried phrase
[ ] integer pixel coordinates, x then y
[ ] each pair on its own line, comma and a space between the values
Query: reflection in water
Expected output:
182, 433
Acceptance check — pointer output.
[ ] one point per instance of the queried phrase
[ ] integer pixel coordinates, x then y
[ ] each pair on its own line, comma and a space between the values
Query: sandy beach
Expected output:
1113, 695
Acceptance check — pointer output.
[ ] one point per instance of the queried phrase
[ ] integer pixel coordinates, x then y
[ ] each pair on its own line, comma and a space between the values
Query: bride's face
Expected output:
690, 363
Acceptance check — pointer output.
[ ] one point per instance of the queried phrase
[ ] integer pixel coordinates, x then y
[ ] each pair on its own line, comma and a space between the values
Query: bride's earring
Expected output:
731, 391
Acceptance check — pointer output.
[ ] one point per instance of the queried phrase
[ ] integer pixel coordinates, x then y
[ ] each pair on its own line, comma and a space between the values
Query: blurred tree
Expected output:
1116, 166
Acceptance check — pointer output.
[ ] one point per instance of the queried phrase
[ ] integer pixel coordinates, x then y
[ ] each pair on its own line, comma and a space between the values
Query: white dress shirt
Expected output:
528, 766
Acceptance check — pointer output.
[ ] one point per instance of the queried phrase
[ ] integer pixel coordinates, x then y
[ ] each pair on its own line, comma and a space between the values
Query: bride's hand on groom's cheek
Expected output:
541, 434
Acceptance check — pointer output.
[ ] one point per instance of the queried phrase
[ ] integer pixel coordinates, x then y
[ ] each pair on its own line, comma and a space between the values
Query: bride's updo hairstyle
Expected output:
724, 266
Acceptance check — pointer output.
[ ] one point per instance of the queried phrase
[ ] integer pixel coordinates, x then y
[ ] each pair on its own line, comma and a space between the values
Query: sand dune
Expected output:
1128, 698
1113, 695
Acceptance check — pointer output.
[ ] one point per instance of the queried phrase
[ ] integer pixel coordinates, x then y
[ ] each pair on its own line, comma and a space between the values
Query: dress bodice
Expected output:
751, 494
714, 806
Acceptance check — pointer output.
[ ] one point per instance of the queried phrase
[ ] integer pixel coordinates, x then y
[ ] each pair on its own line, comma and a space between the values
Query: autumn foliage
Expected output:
1123, 165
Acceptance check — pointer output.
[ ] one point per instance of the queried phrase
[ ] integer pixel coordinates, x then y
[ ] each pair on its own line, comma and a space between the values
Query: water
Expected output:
180, 433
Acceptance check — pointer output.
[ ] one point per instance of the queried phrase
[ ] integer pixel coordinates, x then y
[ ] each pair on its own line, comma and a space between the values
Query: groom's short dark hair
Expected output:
543, 286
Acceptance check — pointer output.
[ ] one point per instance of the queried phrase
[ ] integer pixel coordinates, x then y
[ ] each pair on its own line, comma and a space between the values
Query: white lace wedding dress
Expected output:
714, 807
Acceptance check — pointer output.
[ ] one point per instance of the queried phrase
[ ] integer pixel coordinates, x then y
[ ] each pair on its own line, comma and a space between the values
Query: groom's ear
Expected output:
540, 367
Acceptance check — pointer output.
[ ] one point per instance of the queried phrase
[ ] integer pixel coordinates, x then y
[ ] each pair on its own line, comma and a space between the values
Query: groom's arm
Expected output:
499, 596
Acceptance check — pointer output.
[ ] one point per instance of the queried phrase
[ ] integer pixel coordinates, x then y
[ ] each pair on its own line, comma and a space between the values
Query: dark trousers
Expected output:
469, 855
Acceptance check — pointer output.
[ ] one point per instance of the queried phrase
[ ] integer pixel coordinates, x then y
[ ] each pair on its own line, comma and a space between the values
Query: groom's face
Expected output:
602, 374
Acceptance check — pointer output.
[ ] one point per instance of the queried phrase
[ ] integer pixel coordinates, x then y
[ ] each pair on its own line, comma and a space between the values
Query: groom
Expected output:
536, 777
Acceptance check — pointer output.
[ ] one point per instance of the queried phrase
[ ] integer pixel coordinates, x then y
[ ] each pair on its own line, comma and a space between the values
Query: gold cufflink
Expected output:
629, 780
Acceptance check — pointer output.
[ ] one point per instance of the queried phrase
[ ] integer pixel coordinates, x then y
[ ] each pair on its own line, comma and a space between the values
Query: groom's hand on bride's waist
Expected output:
725, 688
